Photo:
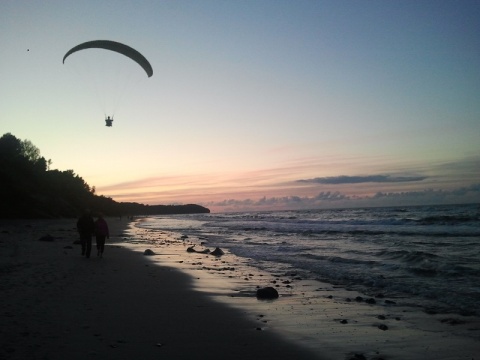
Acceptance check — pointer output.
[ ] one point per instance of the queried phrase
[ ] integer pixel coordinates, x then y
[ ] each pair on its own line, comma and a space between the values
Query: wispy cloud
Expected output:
344, 179
279, 187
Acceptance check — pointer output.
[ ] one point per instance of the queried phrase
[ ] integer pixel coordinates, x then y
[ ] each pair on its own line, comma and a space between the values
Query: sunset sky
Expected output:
253, 105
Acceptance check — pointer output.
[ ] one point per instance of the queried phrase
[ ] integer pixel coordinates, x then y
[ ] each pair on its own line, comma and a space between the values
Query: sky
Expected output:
253, 105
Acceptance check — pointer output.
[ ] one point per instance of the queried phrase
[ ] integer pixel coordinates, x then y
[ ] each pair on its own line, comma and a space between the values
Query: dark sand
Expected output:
55, 304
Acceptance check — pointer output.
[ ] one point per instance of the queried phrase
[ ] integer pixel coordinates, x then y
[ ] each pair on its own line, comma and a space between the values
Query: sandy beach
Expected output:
56, 304
332, 321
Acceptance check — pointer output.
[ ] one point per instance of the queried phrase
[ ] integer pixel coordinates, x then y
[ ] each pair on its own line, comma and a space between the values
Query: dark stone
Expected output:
359, 299
217, 252
148, 252
267, 293
370, 301
357, 357
452, 321
383, 327
47, 237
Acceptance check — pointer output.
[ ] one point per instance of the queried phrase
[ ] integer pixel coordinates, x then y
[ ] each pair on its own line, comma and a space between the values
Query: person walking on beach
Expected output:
86, 228
101, 232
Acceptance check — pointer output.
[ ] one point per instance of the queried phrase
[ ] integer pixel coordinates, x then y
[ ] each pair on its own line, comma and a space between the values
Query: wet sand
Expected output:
56, 304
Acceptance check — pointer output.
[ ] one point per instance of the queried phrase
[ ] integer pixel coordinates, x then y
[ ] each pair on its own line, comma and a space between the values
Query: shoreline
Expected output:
325, 318
177, 305
57, 304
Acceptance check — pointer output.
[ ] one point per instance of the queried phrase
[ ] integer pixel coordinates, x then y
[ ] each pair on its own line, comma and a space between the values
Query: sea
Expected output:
425, 255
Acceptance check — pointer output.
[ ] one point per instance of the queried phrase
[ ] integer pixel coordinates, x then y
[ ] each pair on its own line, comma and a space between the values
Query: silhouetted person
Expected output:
86, 228
108, 121
101, 232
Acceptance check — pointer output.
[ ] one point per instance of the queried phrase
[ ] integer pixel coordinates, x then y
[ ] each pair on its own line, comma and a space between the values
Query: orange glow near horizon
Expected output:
277, 188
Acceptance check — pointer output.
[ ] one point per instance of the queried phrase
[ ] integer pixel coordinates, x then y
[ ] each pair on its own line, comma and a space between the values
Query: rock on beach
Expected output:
267, 293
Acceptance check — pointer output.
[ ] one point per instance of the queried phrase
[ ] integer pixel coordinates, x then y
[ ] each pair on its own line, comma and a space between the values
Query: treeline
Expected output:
29, 189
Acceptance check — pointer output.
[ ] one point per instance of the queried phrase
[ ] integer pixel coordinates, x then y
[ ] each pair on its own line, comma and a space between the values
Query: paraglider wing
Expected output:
117, 47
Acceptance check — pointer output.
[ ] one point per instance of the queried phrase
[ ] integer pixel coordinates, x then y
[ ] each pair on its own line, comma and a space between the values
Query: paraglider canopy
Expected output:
116, 47
108, 121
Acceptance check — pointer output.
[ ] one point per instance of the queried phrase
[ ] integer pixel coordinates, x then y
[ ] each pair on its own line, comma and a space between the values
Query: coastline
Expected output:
57, 304
325, 318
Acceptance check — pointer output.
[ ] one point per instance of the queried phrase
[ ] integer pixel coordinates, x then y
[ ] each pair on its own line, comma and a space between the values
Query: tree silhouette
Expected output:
29, 189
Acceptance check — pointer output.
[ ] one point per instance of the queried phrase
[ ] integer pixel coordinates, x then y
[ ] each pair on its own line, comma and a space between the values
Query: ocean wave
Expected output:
372, 228
448, 219
407, 255
338, 259
425, 252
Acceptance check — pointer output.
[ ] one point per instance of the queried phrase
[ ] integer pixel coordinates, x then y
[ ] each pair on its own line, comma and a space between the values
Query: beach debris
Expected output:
217, 252
383, 327
452, 321
267, 293
192, 249
357, 356
47, 237
148, 252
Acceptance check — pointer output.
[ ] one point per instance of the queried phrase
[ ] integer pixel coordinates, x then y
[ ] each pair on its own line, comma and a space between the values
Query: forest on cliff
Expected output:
29, 189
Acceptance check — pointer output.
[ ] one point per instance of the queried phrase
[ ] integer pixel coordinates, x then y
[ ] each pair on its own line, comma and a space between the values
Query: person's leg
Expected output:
102, 245
88, 247
98, 240
83, 242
